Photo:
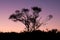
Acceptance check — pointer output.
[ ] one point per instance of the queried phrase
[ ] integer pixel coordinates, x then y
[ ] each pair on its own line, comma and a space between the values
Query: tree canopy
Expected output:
30, 22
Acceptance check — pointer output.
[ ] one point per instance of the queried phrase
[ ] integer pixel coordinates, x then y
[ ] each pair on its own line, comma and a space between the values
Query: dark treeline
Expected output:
34, 35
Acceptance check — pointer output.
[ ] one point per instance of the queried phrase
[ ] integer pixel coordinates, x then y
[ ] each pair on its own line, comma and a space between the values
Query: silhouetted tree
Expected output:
29, 20
54, 31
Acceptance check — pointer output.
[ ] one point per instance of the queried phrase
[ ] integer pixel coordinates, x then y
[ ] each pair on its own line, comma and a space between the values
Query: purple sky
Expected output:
7, 7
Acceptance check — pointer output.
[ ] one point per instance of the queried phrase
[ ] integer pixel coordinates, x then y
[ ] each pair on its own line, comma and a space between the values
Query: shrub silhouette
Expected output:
29, 20
34, 35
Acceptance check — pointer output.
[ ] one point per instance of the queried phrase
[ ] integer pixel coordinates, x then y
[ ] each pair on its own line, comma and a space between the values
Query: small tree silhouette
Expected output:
29, 20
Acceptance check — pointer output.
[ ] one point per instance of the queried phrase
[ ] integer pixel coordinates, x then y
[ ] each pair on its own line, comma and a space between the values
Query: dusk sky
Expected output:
7, 7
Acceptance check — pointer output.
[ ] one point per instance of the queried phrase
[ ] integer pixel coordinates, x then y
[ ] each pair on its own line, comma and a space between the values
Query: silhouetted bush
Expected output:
34, 35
